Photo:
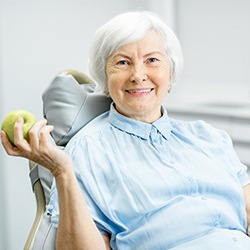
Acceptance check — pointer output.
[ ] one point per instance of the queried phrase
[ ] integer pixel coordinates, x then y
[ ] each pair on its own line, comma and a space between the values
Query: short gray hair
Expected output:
127, 28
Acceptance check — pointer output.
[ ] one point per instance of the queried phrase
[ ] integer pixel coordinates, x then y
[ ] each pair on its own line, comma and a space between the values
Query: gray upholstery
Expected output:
69, 103
69, 106
45, 237
39, 173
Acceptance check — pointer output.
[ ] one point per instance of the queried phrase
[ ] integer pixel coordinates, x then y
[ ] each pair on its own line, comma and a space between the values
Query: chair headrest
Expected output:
70, 102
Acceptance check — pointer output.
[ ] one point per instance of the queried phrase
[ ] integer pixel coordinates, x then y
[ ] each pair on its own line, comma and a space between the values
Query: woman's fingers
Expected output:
9, 148
19, 141
40, 129
38, 138
44, 135
39, 149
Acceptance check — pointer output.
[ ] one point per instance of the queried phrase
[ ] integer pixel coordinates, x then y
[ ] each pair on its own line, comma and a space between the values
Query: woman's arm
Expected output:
247, 201
76, 229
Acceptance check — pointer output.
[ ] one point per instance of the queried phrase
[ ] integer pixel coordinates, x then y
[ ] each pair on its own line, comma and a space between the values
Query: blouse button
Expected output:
234, 239
216, 223
190, 178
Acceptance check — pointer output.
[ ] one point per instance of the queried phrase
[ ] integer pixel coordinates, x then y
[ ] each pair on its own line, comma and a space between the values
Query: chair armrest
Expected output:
40, 202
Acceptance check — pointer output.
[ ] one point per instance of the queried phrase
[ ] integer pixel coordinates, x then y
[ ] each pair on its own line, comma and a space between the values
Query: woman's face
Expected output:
138, 78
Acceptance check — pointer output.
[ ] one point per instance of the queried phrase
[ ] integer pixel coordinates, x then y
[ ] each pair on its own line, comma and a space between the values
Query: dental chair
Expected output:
69, 103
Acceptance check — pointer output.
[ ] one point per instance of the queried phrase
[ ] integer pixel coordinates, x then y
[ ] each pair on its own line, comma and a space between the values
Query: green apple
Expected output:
10, 119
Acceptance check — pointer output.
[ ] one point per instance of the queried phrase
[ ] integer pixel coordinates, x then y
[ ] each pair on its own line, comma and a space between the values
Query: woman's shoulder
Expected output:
199, 128
93, 128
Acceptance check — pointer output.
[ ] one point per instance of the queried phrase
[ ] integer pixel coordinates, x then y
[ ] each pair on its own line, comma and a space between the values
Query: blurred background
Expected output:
40, 38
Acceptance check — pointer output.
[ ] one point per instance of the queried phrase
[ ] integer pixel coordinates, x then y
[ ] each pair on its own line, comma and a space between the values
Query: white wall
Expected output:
215, 36
39, 39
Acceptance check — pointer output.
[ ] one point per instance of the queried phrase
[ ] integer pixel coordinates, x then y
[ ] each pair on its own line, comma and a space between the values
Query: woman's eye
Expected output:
151, 60
122, 62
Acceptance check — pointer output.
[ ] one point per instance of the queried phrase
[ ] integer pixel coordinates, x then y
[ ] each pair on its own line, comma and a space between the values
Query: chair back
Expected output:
70, 101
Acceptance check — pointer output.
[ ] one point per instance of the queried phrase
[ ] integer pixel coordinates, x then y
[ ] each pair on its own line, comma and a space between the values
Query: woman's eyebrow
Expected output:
153, 53
121, 55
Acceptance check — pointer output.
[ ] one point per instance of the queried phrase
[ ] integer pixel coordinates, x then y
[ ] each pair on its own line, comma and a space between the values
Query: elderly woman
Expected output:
134, 178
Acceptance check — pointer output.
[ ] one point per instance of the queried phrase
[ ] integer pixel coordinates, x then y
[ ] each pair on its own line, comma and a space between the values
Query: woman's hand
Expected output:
39, 149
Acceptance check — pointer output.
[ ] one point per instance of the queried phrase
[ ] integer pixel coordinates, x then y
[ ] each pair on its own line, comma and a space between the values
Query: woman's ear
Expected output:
169, 88
106, 90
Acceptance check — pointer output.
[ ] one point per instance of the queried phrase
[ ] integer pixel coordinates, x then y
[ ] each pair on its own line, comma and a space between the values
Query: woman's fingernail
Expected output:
19, 119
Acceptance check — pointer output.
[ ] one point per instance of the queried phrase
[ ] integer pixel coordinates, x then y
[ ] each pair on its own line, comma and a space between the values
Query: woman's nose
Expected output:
138, 74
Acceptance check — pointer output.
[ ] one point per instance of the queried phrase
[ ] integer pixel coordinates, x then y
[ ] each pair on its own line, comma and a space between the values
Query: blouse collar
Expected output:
139, 128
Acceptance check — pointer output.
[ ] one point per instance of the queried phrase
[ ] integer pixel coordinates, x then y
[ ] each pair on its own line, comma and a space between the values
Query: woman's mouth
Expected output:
139, 91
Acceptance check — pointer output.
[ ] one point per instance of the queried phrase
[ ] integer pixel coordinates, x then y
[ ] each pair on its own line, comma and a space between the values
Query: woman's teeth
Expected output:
139, 91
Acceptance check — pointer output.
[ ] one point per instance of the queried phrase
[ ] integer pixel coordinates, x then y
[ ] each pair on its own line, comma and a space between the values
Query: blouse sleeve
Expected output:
240, 168
86, 181
222, 138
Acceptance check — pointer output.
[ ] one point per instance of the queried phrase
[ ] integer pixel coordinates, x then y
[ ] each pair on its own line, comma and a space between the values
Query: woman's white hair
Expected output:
127, 28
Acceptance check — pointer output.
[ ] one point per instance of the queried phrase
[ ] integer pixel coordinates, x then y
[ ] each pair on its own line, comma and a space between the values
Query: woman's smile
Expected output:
139, 91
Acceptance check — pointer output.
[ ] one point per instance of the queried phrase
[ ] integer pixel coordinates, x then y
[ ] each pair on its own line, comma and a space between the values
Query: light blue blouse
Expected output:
167, 185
